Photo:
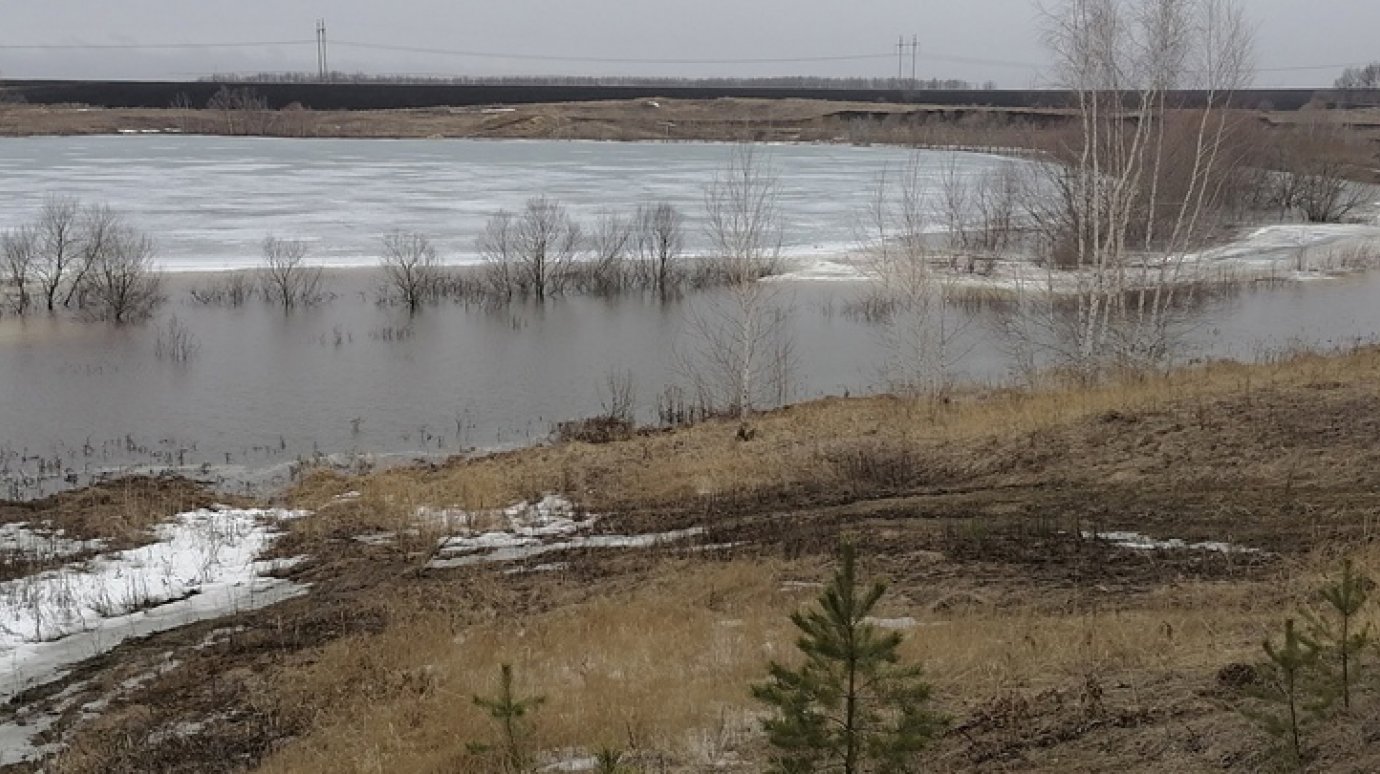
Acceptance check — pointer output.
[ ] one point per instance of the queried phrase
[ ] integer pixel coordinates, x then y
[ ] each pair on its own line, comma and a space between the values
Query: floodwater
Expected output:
351, 376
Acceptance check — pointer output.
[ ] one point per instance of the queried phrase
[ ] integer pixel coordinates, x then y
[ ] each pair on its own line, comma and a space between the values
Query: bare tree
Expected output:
741, 351
913, 289
123, 284
609, 243
58, 235
97, 225
242, 110
498, 247
285, 276
742, 220
660, 242
411, 268
1311, 168
1360, 86
531, 252
19, 250
1131, 235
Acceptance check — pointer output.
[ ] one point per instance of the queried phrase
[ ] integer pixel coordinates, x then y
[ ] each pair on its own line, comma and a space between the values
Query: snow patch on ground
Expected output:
1138, 542
25, 542
204, 564
525, 530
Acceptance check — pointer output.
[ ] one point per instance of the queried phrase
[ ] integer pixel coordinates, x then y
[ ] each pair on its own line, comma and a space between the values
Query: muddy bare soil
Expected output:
999, 522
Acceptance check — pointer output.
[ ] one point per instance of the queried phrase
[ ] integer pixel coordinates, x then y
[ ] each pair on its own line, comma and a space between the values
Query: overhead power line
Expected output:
141, 46
518, 56
602, 59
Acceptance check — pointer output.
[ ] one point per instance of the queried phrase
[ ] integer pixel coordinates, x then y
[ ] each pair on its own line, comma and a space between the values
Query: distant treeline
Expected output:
393, 96
779, 82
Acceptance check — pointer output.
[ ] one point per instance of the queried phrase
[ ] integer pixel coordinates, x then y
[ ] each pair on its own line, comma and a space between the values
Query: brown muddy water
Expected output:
356, 379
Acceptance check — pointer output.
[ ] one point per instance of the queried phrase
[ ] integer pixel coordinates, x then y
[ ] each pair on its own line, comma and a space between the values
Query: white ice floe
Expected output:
36, 542
821, 270
526, 530
204, 564
1138, 542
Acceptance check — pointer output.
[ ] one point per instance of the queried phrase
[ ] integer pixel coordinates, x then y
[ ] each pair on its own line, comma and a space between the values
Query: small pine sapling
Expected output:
511, 714
1294, 679
852, 706
1339, 630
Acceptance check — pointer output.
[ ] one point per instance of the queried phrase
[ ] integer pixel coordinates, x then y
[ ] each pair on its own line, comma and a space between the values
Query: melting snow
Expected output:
38, 542
203, 565
1138, 542
526, 530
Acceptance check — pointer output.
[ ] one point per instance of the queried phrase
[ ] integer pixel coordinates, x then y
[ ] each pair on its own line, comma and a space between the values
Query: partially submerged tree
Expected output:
609, 245
530, 253
911, 291
1133, 204
123, 285
852, 706
739, 351
18, 250
58, 240
660, 242
99, 227
286, 277
411, 269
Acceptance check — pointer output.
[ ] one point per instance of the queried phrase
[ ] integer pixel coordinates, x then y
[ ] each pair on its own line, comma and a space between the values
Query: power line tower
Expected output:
322, 68
914, 56
900, 57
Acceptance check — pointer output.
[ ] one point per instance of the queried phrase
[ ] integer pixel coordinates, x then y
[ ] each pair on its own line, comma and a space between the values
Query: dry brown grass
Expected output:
120, 512
816, 443
1084, 668
664, 669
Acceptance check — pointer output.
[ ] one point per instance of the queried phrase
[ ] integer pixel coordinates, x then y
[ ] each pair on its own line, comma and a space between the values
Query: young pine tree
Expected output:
1339, 630
511, 715
852, 706
1292, 679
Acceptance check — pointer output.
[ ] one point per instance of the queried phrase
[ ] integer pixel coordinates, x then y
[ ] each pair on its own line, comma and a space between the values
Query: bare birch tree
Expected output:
911, 285
411, 269
739, 355
1131, 237
285, 277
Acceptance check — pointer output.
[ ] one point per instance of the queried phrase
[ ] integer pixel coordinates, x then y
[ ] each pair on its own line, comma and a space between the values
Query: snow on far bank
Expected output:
204, 564
1286, 251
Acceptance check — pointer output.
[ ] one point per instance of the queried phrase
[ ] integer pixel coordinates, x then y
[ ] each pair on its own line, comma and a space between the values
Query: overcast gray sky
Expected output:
954, 36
